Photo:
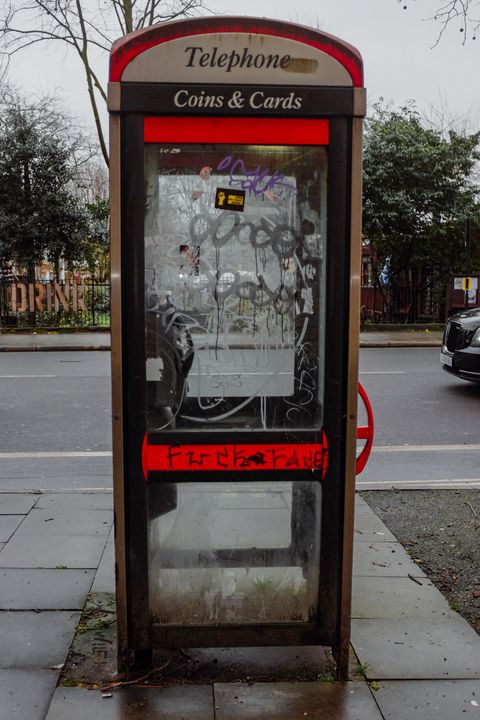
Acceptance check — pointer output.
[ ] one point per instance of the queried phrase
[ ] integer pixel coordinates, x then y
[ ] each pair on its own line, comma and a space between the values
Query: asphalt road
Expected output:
55, 403
427, 427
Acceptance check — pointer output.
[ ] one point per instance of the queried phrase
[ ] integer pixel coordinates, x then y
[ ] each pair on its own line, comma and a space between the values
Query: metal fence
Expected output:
407, 302
54, 304
410, 304
46, 304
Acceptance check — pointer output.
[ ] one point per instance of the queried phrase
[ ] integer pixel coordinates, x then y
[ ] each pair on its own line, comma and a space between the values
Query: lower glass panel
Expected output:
234, 552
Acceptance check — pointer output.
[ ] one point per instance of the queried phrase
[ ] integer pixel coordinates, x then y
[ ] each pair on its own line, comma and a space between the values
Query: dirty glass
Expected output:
235, 294
234, 553
235, 286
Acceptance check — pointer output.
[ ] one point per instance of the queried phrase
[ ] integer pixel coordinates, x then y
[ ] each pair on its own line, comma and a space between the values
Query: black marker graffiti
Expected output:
238, 457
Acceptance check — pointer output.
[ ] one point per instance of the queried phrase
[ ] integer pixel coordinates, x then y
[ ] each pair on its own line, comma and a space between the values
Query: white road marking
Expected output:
58, 491
107, 453
425, 448
32, 455
27, 376
453, 483
378, 448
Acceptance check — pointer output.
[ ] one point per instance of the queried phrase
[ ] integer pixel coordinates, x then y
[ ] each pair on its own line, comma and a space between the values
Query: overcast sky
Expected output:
396, 45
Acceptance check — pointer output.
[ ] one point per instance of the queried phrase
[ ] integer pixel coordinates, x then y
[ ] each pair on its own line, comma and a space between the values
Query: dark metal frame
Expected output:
147, 98
325, 630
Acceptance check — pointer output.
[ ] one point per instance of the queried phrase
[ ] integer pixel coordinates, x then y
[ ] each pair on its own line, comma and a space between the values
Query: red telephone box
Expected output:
236, 201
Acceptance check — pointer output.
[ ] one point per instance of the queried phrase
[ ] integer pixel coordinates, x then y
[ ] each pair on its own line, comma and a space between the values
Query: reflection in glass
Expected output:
234, 264
234, 553
235, 296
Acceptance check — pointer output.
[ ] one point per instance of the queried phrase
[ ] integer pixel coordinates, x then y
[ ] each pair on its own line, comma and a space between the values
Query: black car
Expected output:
460, 353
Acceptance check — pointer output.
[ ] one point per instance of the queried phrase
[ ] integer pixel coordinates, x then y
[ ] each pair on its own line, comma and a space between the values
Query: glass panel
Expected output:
234, 262
234, 553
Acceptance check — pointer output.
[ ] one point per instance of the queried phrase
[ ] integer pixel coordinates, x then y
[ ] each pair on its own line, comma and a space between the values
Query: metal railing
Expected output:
53, 304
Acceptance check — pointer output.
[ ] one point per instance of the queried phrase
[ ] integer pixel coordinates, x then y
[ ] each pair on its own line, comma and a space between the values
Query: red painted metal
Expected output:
262, 131
233, 457
127, 48
365, 432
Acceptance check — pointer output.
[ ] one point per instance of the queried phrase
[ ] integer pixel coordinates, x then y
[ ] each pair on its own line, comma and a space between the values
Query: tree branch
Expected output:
24, 23
460, 12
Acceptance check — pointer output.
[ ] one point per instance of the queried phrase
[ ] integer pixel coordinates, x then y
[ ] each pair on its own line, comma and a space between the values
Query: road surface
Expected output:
55, 423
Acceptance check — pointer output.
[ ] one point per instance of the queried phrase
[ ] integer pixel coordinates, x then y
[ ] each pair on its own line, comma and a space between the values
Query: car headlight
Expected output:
476, 338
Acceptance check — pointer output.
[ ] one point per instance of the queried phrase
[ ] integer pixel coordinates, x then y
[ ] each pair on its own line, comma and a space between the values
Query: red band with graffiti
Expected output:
234, 457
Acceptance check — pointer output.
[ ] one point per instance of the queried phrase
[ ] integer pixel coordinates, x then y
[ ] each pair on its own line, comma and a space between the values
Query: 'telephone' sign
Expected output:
197, 56
243, 58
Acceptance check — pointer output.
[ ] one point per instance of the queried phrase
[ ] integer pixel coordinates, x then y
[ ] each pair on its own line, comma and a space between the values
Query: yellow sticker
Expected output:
236, 200
225, 199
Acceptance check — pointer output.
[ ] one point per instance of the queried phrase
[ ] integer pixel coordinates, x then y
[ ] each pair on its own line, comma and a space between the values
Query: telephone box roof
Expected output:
133, 45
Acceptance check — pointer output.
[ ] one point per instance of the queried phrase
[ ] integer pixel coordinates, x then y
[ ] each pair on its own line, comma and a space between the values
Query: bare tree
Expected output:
88, 27
465, 14
91, 181
51, 117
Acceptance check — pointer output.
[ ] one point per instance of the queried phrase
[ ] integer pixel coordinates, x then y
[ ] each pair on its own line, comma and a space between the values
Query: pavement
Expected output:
53, 341
412, 655
401, 338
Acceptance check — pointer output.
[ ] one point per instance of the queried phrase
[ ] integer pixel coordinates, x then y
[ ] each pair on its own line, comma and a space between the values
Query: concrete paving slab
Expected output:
17, 503
361, 505
198, 523
52, 551
40, 589
35, 639
26, 694
77, 501
56, 521
288, 701
375, 559
429, 700
107, 563
8, 525
251, 500
371, 529
417, 649
104, 584
181, 702
247, 528
105, 576
393, 597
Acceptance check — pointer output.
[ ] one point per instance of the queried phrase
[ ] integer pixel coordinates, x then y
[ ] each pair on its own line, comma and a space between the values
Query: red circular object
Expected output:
365, 432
